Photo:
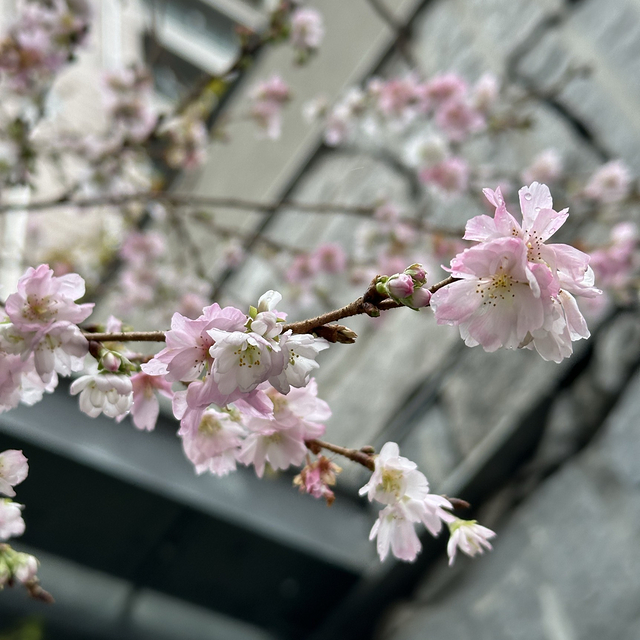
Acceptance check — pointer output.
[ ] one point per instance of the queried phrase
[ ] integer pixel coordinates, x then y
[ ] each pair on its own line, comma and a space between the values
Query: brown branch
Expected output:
370, 303
181, 200
126, 336
361, 456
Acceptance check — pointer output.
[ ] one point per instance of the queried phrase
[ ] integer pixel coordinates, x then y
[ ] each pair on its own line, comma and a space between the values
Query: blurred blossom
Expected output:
545, 168
611, 183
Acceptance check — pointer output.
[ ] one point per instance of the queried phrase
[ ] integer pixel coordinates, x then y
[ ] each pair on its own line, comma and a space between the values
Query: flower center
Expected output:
248, 357
392, 481
209, 425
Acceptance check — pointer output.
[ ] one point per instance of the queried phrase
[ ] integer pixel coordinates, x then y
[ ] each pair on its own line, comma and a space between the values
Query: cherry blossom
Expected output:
146, 408
546, 167
610, 184
444, 87
395, 530
13, 470
394, 478
11, 522
513, 289
449, 177
268, 98
101, 392
397, 483
317, 477
307, 30
211, 439
43, 299
272, 442
188, 343
468, 536
485, 92
458, 119
299, 352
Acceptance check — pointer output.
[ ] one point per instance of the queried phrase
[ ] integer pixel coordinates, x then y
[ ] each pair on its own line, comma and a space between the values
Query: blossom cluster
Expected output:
454, 111
512, 289
268, 99
307, 31
42, 40
127, 96
14, 566
146, 282
39, 337
397, 484
13, 470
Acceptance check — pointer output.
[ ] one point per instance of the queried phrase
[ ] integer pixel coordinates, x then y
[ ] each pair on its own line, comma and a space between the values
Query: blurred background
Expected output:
133, 545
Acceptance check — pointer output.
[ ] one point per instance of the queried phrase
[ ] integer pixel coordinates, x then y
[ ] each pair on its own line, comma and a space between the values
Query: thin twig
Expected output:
356, 455
126, 336
370, 303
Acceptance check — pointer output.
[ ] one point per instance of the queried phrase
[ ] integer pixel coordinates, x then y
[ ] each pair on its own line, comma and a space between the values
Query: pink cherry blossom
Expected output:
106, 393
400, 285
546, 167
499, 298
394, 478
211, 439
396, 531
43, 299
316, 478
445, 87
299, 352
553, 272
485, 92
11, 522
330, 257
267, 100
13, 470
146, 408
243, 360
449, 177
611, 183
399, 98
140, 248
188, 343
615, 264
307, 30
274, 443
458, 119
468, 536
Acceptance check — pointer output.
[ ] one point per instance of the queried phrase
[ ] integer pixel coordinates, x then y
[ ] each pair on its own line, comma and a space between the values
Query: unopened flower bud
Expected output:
110, 362
417, 273
419, 299
25, 567
400, 286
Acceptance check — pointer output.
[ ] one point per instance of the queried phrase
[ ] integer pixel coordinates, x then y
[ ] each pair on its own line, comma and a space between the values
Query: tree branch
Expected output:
361, 456
370, 303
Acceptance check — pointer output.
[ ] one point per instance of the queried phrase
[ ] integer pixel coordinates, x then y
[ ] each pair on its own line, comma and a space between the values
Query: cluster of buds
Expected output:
406, 288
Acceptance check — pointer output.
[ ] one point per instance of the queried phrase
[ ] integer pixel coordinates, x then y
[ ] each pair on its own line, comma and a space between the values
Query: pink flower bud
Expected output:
420, 298
400, 286
111, 362
417, 273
